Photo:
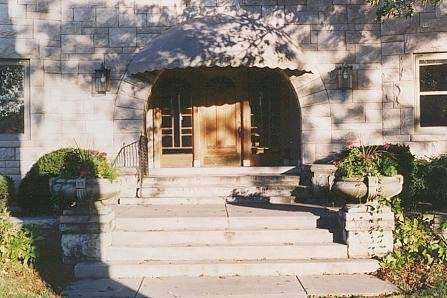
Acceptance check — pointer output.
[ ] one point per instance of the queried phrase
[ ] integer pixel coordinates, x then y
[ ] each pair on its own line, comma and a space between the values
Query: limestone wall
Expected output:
65, 40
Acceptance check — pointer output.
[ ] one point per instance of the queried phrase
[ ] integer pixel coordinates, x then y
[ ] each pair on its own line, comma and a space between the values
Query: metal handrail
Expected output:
134, 155
127, 157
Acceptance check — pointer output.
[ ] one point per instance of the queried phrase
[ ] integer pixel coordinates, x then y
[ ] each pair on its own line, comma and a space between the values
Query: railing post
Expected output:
134, 155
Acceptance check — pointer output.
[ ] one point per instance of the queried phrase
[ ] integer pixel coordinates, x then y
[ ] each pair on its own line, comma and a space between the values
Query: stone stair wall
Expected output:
216, 225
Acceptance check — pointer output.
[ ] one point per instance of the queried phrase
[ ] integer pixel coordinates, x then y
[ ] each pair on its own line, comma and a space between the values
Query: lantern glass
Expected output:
102, 80
345, 77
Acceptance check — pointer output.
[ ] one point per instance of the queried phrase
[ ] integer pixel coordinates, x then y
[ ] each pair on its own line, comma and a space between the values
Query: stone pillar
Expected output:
322, 178
129, 183
367, 229
86, 232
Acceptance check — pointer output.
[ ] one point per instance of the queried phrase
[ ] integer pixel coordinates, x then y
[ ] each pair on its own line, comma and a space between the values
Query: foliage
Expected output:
6, 192
17, 244
426, 183
24, 282
367, 161
34, 195
88, 163
419, 259
435, 190
399, 8
438, 290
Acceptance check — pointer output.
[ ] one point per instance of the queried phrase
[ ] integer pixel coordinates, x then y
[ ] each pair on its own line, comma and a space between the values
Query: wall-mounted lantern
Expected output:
102, 80
344, 76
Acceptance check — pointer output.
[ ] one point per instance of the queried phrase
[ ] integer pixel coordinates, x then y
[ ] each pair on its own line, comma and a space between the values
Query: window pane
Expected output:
166, 121
12, 94
433, 77
186, 121
186, 141
166, 141
433, 110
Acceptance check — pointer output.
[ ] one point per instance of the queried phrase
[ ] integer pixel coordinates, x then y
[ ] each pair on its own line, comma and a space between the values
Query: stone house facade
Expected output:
60, 43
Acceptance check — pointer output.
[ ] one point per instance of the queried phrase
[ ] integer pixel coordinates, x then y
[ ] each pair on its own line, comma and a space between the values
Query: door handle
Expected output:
239, 132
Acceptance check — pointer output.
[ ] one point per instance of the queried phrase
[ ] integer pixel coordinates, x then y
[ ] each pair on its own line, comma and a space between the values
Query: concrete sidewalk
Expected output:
234, 287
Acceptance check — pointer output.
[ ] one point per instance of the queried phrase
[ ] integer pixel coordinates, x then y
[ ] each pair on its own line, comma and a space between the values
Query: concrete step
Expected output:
215, 223
245, 180
204, 200
172, 201
226, 252
154, 238
282, 170
223, 268
217, 190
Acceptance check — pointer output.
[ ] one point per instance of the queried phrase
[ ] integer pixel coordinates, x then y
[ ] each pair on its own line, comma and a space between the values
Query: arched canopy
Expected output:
223, 41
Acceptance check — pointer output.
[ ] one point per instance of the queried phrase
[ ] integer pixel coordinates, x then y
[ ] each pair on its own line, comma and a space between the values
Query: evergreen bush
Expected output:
6, 192
34, 195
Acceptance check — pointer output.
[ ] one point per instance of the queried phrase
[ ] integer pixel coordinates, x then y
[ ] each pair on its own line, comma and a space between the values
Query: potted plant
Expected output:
367, 172
86, 176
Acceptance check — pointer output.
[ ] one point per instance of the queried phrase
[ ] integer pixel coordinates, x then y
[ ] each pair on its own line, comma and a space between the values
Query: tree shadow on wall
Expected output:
297, 21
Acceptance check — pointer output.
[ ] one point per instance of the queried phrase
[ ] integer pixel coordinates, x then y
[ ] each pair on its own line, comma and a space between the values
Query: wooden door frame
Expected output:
246, 133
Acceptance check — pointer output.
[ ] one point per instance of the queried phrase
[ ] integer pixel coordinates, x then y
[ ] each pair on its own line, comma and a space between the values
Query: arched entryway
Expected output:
217, 117
225, 62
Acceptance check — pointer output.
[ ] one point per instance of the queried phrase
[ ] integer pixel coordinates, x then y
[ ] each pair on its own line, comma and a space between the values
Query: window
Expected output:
13, 96
432, 80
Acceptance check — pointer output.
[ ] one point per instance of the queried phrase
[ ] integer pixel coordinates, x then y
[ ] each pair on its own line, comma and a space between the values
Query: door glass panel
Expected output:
176, 113
265, 121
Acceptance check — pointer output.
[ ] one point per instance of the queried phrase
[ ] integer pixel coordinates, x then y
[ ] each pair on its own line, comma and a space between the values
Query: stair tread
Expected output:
211, 185
220, 186
312, 230
221, 175
218, 211
245, 245
198, 262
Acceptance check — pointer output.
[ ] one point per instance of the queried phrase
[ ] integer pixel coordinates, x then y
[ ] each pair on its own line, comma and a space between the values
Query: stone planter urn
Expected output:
85, 189
368, 187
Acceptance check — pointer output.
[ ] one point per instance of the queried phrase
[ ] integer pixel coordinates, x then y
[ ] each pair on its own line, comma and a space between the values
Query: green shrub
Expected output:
419, 259
88, 163
435, 191
426, 183
368, 161
34, 195
17, 244
6, 192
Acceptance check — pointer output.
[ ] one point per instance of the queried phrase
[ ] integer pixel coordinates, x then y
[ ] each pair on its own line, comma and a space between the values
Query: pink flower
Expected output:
349, 144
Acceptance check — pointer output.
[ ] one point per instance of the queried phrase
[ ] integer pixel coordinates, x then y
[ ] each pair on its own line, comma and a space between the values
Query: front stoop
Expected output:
211, 224
221, 240
224, 235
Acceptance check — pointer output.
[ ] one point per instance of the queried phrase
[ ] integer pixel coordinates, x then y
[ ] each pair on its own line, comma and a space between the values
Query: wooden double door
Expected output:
221, 133
216, 120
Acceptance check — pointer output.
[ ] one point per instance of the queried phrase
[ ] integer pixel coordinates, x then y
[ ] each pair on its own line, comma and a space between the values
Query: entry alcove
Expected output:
222, 117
